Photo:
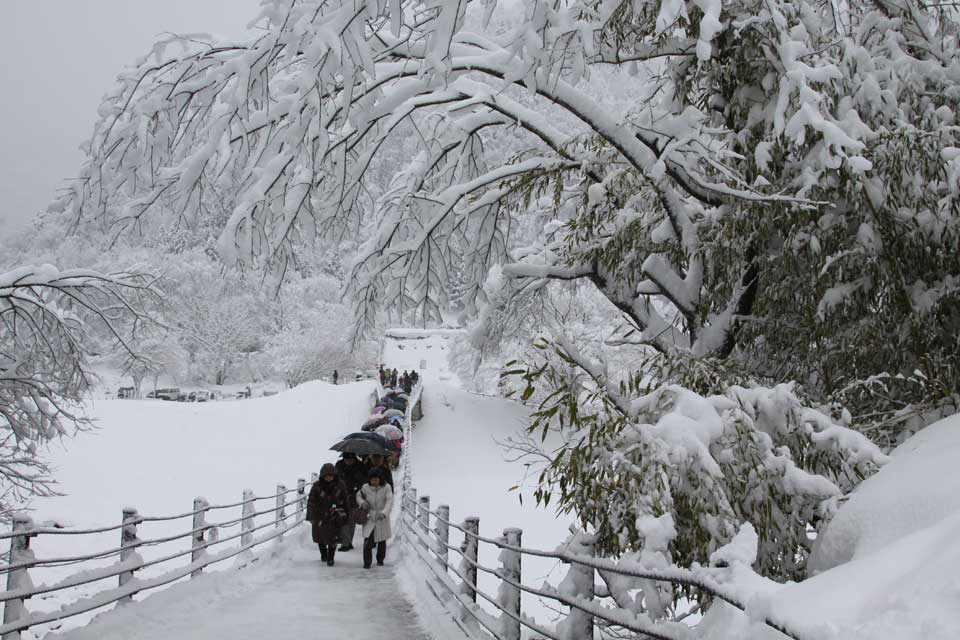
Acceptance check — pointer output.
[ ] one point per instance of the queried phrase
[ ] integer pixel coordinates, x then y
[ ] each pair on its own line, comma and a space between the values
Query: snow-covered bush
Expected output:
674, 460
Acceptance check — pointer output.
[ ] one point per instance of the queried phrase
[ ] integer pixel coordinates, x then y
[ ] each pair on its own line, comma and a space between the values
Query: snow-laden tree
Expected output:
50, 323
764, 190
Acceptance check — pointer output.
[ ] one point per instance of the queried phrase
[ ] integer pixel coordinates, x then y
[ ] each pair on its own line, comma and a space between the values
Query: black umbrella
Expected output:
366, 435
360, 448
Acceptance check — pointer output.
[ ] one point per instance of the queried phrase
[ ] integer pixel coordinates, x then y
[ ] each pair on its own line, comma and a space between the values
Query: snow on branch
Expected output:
49, 320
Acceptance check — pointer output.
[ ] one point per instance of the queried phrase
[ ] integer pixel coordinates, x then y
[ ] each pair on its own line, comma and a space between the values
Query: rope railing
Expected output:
204, 537
65, 531
116, 571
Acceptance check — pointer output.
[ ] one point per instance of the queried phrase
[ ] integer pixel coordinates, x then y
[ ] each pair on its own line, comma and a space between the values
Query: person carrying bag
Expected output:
376, 497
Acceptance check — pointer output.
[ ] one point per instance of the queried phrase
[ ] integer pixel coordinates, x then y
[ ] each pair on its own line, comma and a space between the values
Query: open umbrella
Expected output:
390, 432
375, 421
378, 409
363, 444
390, 413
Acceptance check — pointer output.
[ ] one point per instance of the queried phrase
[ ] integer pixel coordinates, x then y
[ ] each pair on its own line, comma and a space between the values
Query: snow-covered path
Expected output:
291, 597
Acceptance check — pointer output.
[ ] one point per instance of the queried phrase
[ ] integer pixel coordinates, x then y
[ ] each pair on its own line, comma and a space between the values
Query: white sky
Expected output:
57, 60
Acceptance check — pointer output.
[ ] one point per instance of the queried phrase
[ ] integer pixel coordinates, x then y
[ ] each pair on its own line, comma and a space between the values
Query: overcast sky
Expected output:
57, 60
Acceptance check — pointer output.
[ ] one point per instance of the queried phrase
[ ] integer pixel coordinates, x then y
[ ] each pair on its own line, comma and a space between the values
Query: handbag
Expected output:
360, 515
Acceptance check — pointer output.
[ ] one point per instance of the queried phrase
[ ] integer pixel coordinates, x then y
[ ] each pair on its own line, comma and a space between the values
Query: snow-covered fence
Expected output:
426, 534
204, 535
578, 592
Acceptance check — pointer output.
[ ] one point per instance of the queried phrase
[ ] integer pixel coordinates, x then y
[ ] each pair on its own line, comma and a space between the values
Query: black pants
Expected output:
327, 551
368, 545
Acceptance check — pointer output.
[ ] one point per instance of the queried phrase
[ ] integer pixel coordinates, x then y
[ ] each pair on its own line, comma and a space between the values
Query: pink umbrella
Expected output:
390, 432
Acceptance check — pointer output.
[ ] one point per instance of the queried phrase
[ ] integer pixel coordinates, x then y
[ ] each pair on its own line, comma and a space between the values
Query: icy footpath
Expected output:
291, 596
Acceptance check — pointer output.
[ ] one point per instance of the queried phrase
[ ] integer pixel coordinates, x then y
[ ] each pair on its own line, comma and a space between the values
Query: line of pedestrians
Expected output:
352, 493
357, 491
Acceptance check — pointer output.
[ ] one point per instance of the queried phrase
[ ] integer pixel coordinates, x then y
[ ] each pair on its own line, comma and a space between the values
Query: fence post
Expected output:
246, 525
128, 543
580, 623
281, 510
408, 502
469, 565
509, 595
443, 536
199, 529
425, 519
302, 492
14, 609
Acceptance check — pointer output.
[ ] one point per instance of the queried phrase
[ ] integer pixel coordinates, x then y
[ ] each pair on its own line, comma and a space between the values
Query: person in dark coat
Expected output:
393, 379
407, 383
353, 473
383, 376
380, 462
328, 508
336, 376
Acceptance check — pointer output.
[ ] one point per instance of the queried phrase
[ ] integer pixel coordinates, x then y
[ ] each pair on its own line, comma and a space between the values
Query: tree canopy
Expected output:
762, 191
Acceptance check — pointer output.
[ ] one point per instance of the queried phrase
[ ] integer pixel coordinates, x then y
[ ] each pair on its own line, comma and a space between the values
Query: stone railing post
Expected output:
302, 492
469, 565
443, 536
509, 595
580, 623
281, 510
199, 529
128, 544
425, 519
246, 525
14, 609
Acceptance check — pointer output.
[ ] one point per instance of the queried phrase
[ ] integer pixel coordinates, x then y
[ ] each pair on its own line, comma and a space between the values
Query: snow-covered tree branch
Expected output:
50, 322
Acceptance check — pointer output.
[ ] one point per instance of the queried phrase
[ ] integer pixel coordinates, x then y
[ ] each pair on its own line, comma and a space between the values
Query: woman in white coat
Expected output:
377, 498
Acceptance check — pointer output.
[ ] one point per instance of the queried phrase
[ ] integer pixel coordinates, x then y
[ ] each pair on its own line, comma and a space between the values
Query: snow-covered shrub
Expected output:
673, 463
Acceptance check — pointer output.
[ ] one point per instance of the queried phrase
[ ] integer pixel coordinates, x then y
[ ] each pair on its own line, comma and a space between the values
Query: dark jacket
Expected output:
354, 475
328, 507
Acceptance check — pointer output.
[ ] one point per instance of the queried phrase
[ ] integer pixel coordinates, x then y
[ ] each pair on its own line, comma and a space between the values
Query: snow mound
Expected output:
888, 561
918, 488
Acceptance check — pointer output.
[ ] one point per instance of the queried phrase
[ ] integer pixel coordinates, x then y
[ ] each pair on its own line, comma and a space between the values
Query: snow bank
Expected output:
888, 561
918, 488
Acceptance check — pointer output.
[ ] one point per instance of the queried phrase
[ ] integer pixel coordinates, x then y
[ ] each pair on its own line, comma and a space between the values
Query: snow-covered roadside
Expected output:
889, 560
458, 460
157, 456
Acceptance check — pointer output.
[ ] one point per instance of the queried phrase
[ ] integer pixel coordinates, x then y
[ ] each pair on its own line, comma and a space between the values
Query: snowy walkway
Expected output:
295, 597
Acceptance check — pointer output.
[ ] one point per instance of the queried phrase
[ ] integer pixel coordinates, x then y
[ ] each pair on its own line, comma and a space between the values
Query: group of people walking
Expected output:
358, 491
396, 380
353, 492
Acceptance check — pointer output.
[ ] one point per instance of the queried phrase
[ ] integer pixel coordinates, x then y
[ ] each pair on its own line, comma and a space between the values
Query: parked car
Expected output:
125, 393
199, 396
168, 394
